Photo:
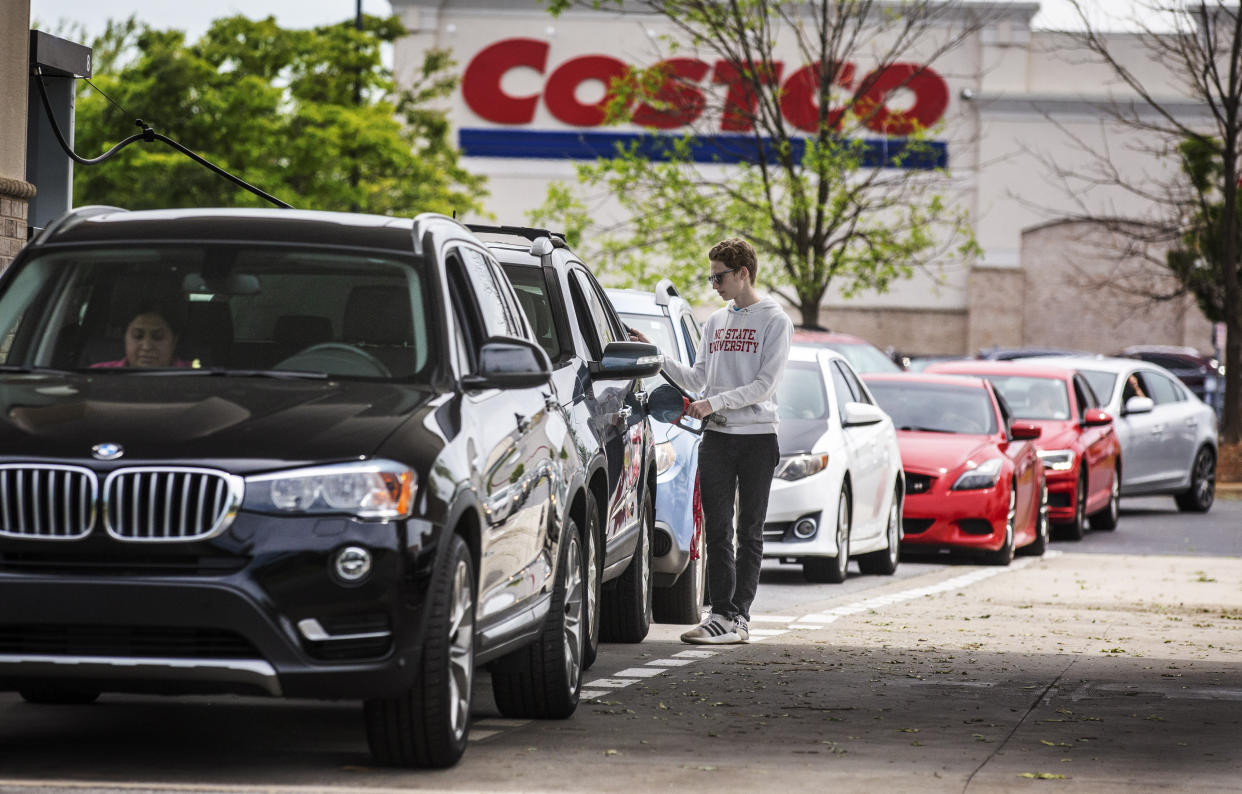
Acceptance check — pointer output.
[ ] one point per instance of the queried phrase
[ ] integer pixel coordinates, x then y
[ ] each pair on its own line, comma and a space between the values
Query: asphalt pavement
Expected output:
1083, 672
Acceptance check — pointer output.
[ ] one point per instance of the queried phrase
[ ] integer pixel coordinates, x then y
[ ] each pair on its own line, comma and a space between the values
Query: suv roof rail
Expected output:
530, 233
75, 216
664, 290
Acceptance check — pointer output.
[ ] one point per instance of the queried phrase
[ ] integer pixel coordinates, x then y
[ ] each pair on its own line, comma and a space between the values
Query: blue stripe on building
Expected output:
574, 145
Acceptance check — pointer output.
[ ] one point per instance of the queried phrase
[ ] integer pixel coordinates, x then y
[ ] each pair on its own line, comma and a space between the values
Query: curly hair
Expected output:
736, 253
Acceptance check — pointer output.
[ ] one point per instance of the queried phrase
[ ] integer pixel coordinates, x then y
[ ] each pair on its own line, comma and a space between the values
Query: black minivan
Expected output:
298, 454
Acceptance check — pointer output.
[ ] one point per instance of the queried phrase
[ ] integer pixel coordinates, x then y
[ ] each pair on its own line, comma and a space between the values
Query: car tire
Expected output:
626, 613
884, 562
1107, 518
427, 725
833, 570
1198, 498
1039, 546
1075, 529
543, 679
682, 602
58, 696
594, 585
1004, 555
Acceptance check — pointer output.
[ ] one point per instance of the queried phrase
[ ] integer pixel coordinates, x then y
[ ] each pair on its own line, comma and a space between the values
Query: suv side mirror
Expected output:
627, 360
1024, 431
1094, 417
510, 364
862, 414
1139, 405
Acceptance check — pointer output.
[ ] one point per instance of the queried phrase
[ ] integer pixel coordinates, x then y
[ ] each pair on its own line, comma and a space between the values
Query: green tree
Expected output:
1191, 114
808, 196
277, 107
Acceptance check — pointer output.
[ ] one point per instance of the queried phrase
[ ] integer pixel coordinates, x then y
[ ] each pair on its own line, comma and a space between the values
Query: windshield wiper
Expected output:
23, 370
918, 429
279, 374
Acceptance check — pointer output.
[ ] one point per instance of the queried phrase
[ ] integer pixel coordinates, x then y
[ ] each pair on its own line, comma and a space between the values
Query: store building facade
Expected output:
1002, 105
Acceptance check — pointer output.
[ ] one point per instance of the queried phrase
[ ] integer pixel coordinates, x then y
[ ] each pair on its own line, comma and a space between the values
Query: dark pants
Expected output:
729, 465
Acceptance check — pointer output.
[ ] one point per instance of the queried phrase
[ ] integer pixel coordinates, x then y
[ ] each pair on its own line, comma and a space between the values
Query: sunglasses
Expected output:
715, 278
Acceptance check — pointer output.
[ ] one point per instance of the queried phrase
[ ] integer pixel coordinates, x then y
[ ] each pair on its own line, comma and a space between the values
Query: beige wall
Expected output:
15, 191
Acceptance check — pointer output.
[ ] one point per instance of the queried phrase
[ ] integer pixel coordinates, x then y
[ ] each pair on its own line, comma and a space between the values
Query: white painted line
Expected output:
638, 672
611, 683
500, 722
806, 626
669, 662
772, 618
478, 736
591, 694
768, 632
694, 654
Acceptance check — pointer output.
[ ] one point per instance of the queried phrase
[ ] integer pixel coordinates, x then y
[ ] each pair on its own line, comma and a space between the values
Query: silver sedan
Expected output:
1168, 436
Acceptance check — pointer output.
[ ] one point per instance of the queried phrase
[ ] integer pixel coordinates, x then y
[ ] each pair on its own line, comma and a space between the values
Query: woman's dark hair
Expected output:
172, 311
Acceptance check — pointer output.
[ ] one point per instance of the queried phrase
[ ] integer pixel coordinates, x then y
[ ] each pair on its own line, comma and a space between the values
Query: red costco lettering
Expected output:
480, 85
680, 96
561, 93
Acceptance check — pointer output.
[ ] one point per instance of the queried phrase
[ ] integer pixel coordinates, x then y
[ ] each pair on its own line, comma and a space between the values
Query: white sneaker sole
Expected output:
729, 638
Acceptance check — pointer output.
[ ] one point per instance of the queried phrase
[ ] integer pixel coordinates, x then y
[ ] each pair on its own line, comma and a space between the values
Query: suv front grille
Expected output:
163, 504
129, 641
46, 501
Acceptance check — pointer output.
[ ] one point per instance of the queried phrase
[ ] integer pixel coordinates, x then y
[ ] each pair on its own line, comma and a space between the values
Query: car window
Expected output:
1161, 390
936, 407
800, 394
1135, 386
1101, 382
693, 335
1083, 395
468, 325
856, 386
499, 318
226, 306
841, 387
531, 286
1033, 397
593, 317
864, 357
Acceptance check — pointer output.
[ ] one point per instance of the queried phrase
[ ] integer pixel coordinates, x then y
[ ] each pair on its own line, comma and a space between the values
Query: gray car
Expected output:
1168, 435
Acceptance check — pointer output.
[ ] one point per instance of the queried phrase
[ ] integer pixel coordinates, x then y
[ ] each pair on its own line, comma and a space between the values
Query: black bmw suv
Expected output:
289, 453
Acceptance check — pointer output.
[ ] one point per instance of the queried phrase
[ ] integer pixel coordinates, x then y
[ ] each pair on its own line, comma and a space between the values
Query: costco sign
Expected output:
683, 99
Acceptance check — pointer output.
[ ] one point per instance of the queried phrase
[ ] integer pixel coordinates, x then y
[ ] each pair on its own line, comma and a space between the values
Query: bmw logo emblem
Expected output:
107, 451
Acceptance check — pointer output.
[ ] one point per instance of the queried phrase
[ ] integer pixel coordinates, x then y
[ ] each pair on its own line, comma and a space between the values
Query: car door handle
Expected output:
523, 423
1157, 430
1190, 421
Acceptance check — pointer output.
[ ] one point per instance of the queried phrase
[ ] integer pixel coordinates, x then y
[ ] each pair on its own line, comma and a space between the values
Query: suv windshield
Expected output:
180, 308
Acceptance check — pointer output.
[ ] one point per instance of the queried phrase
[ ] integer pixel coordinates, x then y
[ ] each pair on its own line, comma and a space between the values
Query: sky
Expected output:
194, 17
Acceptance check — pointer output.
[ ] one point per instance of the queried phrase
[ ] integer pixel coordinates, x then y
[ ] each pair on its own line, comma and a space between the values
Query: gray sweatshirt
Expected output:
738, 365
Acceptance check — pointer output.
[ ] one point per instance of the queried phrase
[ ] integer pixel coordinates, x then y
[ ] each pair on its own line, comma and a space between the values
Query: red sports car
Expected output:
1079, 447
973, 477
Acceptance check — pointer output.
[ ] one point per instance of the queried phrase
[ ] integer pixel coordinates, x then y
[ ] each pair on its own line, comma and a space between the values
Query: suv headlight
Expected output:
982, 476
797, 467
374, 489
1057, 459
665, 456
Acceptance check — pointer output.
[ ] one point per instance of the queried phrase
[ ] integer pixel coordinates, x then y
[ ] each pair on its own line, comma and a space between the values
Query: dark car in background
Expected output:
1203, 375
605, 406
863, 356
353, 481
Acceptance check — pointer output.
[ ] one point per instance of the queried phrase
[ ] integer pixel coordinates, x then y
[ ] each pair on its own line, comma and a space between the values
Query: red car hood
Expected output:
937, 452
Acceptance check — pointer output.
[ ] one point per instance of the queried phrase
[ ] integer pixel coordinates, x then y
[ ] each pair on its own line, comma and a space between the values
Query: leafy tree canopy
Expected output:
311, 116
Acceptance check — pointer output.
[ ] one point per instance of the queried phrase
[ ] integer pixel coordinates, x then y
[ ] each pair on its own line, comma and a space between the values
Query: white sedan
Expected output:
838, 488
1167, 434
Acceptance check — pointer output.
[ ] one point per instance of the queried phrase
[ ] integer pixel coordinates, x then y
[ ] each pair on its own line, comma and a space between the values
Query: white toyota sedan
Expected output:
1167, 434
838, 488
